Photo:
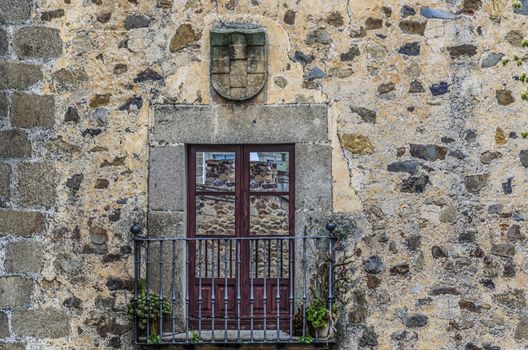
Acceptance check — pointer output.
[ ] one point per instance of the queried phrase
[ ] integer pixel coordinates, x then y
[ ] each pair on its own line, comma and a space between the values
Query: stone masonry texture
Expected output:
407, 127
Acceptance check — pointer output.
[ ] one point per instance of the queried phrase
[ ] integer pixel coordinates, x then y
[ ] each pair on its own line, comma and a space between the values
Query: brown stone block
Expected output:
14, 144
37, 184
15, 291
44, 323
22, 223
24, 256
5, 182
37, 42
18, 75
30, 111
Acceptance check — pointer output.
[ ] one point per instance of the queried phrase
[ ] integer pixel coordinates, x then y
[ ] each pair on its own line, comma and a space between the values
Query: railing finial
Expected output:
136, 228
331, 227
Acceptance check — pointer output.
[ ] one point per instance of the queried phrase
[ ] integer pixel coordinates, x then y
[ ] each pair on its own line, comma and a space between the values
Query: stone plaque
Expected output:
238, 61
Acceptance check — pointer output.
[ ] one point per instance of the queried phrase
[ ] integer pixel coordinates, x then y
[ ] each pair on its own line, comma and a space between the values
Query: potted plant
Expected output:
320, 317
148, 313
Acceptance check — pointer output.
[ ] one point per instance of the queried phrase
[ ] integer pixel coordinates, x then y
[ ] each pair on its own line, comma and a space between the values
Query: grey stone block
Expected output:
37, 184
166, 223
4, 105
240, 124
21, 223
15, 291
18, 75
14, 11
37, 42
4, 325
43, 323
313, 176
30, 111
24, 256
3, 42
5, 181
13, 346
167, 178
183, 124
14, 144
271, 124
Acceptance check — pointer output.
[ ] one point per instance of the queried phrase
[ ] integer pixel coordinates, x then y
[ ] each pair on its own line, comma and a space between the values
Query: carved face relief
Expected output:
238, 62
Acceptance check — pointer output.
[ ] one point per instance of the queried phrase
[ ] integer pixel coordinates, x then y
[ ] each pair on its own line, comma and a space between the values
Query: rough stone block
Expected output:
37, 42
13, 346
4, 105
21, 223
166, 223
14, 144
14, 11
15, 291
167, 178
37, 184
271, 124
18, 75
5, 181
4, 326
240, 124
313, 171
24, 256
29, 110
183, 124
43, 323
3, 42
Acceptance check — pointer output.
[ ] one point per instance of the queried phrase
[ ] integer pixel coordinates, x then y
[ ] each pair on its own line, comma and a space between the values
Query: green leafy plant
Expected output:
318, 314
519, 60
524, 134
154, 338
195, 338
148, 311
306, 339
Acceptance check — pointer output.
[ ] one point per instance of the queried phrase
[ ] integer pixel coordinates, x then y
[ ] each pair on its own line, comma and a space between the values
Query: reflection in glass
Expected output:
215, 215
268, 215
215, 171
222, 252
270, 258
269, 171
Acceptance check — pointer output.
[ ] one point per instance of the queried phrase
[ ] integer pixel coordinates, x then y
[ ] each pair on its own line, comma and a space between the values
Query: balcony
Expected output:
233, 290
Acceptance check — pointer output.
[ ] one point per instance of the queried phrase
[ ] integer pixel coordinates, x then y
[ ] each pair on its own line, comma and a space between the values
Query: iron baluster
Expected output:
238, 288
304, 288
277, 295
226, 297
187, 279
200, 288
290, 275
173, 291
147, 286
213, 295
161, 289
251, 293
265, 296
137, 269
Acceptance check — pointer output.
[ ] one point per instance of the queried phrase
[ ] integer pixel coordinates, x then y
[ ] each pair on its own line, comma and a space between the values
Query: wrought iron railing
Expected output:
231, 289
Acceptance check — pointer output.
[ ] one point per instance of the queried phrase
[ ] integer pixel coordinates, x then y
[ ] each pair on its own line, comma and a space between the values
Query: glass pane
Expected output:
215, 215
215, 171
270, 258
269, 171
268, 215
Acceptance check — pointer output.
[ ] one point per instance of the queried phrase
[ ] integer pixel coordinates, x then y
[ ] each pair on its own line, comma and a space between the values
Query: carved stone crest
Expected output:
238, 61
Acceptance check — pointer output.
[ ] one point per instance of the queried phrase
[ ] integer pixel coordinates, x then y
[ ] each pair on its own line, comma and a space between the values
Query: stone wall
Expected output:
428, 162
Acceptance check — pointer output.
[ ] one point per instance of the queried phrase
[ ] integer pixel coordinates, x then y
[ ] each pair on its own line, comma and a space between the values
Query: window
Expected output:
244, 192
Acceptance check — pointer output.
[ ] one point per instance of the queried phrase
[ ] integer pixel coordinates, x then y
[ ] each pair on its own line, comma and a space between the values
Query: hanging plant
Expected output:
148, 312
